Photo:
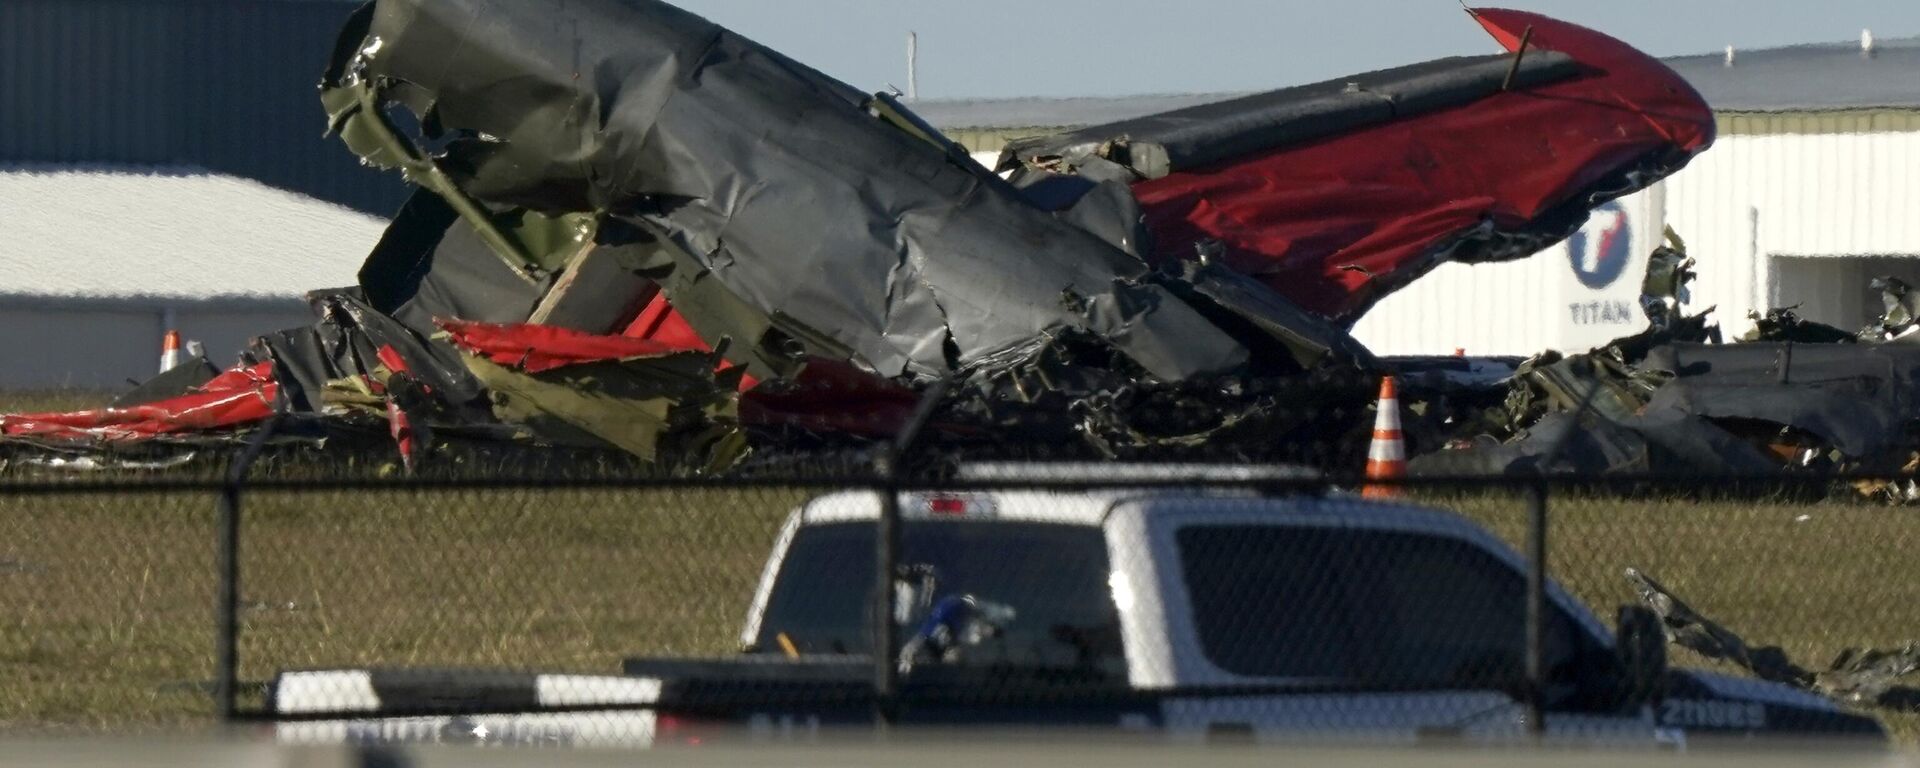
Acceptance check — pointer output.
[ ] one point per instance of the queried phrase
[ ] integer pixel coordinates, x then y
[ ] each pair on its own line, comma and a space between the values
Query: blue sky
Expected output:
993, 48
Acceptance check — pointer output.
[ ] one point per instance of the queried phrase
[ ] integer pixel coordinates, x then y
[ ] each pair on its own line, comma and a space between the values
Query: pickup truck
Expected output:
1192, 612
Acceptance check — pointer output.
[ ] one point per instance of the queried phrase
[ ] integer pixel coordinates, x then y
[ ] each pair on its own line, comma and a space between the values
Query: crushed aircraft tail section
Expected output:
1339, 193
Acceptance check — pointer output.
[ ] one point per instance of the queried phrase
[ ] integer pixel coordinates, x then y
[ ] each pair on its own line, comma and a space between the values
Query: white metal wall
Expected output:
1751, 198
1577, 294
1747, 200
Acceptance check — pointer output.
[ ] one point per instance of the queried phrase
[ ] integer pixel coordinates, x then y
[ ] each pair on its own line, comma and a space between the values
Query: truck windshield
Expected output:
1053, 576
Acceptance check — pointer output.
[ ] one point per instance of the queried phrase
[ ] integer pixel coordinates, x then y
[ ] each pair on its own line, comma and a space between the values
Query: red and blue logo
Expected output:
1600, 250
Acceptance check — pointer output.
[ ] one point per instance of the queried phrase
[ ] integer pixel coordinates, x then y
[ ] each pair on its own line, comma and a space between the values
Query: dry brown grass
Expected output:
46, 400
107, 601
1845, 576
111, 599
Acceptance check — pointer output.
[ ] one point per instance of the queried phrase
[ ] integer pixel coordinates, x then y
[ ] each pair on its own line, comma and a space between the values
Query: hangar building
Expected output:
148, 182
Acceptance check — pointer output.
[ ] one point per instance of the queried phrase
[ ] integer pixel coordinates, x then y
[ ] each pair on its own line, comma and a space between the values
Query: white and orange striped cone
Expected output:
170, 351
1387, 456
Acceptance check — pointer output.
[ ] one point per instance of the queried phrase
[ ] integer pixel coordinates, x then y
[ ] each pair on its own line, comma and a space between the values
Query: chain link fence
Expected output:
1222, 600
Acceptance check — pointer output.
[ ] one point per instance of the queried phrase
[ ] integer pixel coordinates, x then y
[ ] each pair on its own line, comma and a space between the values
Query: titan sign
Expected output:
1600, 251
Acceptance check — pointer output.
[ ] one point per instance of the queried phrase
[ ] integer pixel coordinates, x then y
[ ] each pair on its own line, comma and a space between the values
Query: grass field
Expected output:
1811, 578
109, 600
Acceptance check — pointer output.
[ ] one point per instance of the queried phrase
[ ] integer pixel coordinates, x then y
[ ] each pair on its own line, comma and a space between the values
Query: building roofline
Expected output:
1818, 77
150, 302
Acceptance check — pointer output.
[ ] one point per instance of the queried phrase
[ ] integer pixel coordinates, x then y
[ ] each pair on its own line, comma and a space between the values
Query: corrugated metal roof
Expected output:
1808, 77
1054, 113
222, 84
180, 232
1799, 78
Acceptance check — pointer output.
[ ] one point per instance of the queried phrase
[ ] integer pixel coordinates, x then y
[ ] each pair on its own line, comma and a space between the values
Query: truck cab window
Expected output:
1054, 576
1362, 607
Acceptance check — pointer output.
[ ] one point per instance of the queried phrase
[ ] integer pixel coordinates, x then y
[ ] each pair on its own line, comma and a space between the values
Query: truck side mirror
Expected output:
1640, 643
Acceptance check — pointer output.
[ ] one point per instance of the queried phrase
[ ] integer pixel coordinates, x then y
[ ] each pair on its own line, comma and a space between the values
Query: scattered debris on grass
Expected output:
1857, 676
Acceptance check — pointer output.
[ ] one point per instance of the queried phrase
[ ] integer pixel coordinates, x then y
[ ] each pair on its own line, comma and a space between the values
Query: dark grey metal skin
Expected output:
854, 235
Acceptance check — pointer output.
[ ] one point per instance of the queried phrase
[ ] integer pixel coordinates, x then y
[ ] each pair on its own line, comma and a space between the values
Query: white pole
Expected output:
913, 66
1761, 282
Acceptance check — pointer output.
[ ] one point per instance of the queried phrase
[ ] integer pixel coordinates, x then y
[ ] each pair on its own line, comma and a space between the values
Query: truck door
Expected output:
1368, 632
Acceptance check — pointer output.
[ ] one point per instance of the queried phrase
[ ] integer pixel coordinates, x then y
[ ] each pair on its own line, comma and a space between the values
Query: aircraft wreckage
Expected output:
1791, 395
637, 231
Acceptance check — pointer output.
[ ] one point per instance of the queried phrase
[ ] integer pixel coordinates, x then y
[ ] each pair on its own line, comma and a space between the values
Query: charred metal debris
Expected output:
638, 232
1791, 396
1858, 676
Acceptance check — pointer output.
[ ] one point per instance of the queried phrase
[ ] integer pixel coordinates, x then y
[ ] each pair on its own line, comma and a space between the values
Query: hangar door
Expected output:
1835, 289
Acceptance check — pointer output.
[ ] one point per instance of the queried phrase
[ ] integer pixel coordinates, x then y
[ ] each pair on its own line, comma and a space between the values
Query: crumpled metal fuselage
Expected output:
623, 168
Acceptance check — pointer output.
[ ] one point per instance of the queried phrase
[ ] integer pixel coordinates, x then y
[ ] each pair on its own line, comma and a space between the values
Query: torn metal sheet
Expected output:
431, 264
1589, 445
182, 379
1862, 676
1664, 289
1558, 444
1601, 382
1070, 396
1856, 676
908, 252
1613, 410
345, 344
1310, 341
237, 398
541, 348
664, 410
1785, 324
1155, 146
1857, 398
1902, 315
1105, 209
667, 405
1337, 196
1688, 629
828, 396
1791, 395
1453, 372
1611, 381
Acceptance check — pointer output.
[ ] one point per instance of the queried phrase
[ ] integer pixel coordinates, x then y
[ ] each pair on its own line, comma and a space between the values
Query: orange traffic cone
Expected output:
1387, 456
170, 351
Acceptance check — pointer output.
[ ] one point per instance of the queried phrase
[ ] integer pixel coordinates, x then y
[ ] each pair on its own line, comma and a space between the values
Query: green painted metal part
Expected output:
669, 409
535, 245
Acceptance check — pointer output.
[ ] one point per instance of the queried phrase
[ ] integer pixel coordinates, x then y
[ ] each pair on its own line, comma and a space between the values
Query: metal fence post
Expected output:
886, 672
887, 535
1536, 608
226, 654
